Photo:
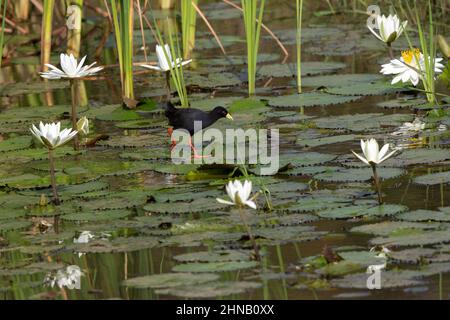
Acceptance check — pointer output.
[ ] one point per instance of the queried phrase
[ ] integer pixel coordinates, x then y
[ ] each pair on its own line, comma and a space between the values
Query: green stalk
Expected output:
74, 35
252, 32
299, 45
188, 26
46, 33
123, 30
3, 5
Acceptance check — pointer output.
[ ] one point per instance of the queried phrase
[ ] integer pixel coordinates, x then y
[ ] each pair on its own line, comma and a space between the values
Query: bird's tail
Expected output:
169, 108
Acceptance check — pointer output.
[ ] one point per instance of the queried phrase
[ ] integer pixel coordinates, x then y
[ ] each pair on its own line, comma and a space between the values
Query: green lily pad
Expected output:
367, 89
143, 124
16, 143
14, 225
419, 238
358, 174
386, 228
120, 114
340, 80
325, 140
211, 289
310, 99
15, 89
215, 266
128, 244
103, 215
425, 215
199, 205
214, 256
309, 68
433, 178
169, 280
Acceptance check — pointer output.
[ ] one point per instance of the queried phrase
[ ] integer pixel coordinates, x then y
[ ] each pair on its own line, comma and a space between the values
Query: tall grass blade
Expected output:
188, 26
46, 33
3, 5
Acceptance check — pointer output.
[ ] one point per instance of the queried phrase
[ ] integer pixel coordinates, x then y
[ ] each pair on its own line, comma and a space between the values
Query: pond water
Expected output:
160, 221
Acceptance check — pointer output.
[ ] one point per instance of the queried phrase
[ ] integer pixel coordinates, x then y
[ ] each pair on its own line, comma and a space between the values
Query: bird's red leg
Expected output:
196, 155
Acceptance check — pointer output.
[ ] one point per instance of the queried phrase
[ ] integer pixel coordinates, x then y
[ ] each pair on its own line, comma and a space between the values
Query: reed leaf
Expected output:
46, 33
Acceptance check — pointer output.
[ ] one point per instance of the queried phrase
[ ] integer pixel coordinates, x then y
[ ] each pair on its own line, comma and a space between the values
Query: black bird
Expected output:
185, 118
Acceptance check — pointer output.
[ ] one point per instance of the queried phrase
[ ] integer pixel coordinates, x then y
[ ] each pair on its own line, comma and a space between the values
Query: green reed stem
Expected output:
252, 32
188, 26
3, 6
123, 30
46, 33
299, 44
73, 89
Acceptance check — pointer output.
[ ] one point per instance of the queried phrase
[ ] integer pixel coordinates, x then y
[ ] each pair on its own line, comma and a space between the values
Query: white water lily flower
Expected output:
84, 237
83, 126
70, 278
163, 63
408, 66
49, 134
410, 127
239, 194
372, 152
390, 28
71, 69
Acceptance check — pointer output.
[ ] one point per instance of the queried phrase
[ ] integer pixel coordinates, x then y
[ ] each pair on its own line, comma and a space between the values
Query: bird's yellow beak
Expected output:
229, 116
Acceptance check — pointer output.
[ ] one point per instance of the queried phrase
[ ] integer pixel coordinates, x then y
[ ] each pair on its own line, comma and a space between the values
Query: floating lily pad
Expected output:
96, 215
340, 80
120, 114
425, 215
358, 174
16, 143
215, 266
200, 205
143, 124
169, 280
433, 178
305, 159
386, 228
214, 256
388, 280
116, 245
213, 80
325, 140
211, 289
418, 156
14, 89
417, 238
14, 225
367, 89
309, 99
401, 103
309, 68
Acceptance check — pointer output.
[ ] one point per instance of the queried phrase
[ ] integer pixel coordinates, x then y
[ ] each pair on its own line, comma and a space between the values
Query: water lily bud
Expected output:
445, 47
83, 126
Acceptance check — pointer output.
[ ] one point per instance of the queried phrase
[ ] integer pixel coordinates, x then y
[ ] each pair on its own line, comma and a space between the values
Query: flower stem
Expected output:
377, 183
56, 200
73, 84
250, 235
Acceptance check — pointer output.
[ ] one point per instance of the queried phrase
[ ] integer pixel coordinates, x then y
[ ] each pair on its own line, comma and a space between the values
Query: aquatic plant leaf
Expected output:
152, 154
143, 124
418, 156
215, 266
367, 89
14, 225
390, 279
304, 159
122, 244
169, 280
340, 80
315, 142
386, 228
418, 238
119, 114
401, 103
309, 171
413, 255
340, 268
214, 256
358, 174
102, 215
16, 143
198, 205
309, 68
425, 215
310, 99
145, 140
433, 178
211, 289
213, 80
